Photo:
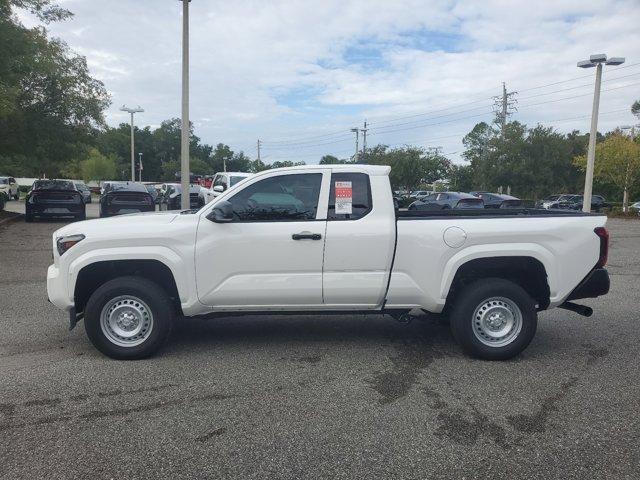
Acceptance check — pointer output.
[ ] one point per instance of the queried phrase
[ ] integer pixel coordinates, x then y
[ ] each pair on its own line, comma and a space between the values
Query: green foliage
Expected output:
411, 167
331, 160
617, 163
532, 161
49, 104
635, 108
98, 166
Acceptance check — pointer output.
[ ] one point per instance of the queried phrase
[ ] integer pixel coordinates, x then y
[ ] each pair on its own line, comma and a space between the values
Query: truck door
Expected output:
270, 255
360, 240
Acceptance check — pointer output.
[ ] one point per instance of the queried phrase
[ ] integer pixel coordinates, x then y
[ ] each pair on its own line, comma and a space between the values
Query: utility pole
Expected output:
258, 149
356, 131
140, 166
594, 61
133, 155
504, 106
184, 141
364, 141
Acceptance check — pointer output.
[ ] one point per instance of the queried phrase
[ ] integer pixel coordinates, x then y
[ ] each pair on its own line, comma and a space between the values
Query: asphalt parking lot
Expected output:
319, 396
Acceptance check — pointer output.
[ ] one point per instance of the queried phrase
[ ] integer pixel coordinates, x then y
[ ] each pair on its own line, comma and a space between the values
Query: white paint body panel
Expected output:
257, 266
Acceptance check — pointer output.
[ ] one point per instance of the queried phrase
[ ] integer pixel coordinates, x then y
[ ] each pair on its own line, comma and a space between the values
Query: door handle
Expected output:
306, 236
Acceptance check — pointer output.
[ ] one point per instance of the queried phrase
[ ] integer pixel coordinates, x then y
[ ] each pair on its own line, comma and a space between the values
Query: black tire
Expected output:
152, 295
16, 196
82, 216
28, 215
465, 324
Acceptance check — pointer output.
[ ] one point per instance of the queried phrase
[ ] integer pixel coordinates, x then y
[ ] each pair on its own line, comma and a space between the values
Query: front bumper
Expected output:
57, 289
595, 284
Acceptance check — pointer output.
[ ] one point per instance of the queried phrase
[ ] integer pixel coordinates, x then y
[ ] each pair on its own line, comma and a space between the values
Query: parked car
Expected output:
447, 200
291, 240
125, 197
635, 207
105, 185
151, 189
9, 188
547, 201
84, 190
222, 182
498, 200
54, 198
420, 194
172, 197
574, 202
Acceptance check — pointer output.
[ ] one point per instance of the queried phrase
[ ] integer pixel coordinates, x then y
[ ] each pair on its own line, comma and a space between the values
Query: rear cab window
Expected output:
354, 199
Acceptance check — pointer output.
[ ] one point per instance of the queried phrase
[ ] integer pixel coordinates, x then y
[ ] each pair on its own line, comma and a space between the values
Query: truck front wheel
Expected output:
128, 318
494, 319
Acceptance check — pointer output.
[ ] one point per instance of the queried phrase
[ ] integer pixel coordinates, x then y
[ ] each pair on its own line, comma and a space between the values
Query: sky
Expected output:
298, 75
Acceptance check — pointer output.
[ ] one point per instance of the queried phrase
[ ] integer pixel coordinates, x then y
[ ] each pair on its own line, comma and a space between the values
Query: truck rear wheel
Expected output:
494, 319
128, 318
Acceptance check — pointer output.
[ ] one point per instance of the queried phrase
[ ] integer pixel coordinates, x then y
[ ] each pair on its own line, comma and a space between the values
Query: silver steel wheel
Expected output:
497, 321
126, 321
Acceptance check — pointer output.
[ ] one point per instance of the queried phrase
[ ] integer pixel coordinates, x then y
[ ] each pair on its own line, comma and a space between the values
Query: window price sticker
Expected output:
344, 198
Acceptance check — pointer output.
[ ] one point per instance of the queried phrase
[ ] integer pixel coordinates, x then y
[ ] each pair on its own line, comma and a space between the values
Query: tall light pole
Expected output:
594, 61
184, 143
357, 132
133, 155
140, 166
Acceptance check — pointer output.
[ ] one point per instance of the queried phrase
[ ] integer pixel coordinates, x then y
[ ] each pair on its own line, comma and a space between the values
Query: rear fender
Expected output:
538, 252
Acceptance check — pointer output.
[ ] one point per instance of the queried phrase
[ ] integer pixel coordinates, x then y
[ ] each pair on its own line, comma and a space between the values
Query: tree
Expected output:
331, 160
617, 162
98, 166
635, 108
411, 167
49, 104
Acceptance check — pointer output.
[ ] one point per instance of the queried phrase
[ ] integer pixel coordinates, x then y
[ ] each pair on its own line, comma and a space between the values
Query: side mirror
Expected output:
221, 213
218, 188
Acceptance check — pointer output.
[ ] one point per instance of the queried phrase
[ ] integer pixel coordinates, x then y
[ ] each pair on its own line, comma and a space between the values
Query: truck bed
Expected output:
488, 213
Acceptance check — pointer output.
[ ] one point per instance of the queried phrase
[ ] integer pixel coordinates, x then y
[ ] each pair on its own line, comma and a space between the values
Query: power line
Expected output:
578, 96
342, 135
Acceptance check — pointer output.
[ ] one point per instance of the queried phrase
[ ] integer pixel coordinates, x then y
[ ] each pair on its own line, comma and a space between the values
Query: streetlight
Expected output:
184, 141
133, 160
356, 131
594, 61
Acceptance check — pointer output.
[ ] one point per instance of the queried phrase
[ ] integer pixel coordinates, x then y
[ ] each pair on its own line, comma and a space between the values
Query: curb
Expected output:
15, 216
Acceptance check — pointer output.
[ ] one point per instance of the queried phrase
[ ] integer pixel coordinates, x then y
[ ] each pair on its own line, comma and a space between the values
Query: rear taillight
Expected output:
604, 246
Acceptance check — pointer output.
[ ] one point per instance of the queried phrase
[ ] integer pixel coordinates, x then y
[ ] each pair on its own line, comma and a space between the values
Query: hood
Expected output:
118, 223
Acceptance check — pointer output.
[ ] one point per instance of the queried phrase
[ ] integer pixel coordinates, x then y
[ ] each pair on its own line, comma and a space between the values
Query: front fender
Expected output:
185, 282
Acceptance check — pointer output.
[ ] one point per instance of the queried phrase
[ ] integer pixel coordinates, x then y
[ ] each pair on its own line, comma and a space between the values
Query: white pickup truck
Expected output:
325, 239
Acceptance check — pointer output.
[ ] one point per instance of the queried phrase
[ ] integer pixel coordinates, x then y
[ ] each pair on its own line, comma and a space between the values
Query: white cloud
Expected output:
284, 69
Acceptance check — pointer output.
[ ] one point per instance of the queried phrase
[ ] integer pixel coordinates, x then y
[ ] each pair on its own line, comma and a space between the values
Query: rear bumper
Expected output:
55, 209
595, 284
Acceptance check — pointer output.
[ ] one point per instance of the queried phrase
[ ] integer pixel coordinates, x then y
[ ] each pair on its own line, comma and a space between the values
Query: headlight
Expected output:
65, 243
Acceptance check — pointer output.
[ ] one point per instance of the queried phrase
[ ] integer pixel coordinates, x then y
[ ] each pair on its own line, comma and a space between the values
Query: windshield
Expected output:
131, 187
53, 185
235, 179
82, 187
4, 181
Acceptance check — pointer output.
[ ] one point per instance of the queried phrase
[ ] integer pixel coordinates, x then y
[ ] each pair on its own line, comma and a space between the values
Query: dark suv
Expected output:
447, 200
